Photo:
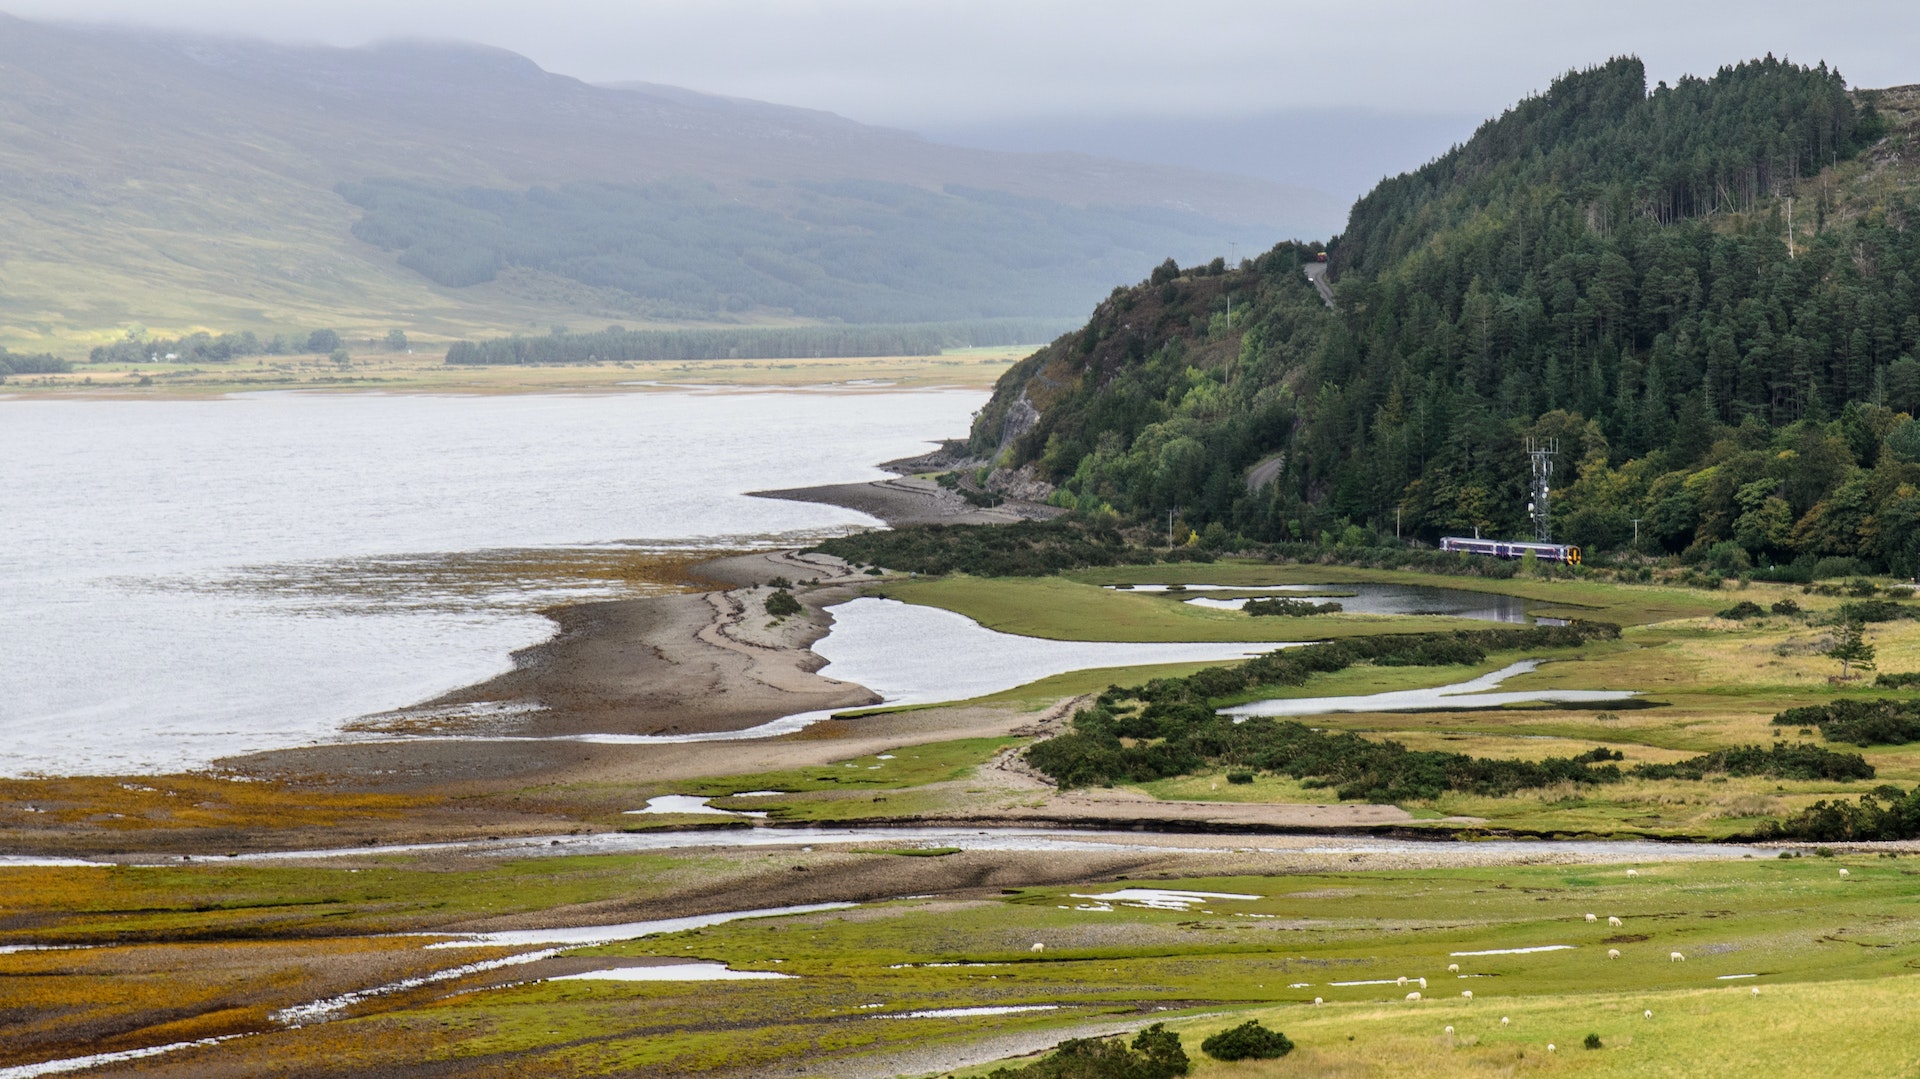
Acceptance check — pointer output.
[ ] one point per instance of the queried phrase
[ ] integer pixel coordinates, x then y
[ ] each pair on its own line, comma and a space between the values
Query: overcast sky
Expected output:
937, 63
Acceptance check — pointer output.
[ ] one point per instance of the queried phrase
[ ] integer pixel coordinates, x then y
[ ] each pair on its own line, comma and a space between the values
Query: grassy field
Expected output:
424, 372
1704, 683
1065, 610
1812, 942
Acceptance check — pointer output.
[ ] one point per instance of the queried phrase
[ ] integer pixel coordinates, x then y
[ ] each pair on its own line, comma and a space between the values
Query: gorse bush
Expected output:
1154, 1054
1248, 1041
1780, 761
1885, 721
781, 604
1885, 813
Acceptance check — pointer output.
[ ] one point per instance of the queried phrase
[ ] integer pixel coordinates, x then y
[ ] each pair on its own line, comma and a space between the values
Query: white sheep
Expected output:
1647, 1014
1317, 1002
1467, 993
1453, 968
1037, 947
1504, 1020
1449, 1030
1756, 990
1592, 918
1550, 1047
1413, 996
1676, 957
1614, 922
1402, 983
1423, 983
1613, 953
1633, 872
1844, 873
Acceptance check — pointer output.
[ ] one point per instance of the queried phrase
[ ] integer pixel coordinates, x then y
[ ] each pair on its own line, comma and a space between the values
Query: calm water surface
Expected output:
187, 579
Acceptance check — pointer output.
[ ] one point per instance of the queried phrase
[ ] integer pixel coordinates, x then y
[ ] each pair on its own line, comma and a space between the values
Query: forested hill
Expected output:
1604, 265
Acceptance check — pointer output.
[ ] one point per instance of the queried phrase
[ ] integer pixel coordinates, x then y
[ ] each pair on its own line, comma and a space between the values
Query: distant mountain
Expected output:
1706, 295
178, 181
1338, 152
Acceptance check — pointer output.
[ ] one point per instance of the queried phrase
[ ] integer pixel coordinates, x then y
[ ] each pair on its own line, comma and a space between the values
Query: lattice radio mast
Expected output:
1541, 454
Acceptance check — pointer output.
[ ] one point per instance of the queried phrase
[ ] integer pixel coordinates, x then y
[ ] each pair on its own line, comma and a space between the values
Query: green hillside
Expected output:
1604, 265
170, 183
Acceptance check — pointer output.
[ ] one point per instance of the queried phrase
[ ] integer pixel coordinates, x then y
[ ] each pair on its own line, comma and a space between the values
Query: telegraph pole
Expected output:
1541, 454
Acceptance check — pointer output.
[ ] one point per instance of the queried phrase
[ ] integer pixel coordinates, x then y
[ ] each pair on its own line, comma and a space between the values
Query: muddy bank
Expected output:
908, 500
687, 664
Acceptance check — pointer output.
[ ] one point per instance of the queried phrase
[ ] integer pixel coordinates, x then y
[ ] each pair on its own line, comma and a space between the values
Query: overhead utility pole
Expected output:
1541, 454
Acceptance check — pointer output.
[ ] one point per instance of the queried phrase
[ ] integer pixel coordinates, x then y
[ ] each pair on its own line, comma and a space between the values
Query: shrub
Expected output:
781, 604
1241, 778
1786, 607
1746, 608
1291, 608
1022, 549
1782, 761
1248, 1041
1903, 680
1885, 721
1155, 1054
1874, 610
1593, 1041
1884, 813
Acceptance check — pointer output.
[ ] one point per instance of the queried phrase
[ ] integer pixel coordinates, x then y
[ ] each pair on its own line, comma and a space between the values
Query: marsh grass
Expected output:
1822, 947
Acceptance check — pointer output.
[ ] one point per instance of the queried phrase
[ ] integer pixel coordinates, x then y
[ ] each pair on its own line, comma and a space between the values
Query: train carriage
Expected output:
1566, 553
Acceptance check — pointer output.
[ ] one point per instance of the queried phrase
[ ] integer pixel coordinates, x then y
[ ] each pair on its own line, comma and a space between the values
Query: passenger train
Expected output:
1549, 552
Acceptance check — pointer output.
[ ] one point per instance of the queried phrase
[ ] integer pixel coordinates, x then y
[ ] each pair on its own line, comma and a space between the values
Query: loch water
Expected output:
186, 579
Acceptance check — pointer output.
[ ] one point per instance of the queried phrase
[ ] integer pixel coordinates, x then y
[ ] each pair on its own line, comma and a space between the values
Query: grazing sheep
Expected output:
1413, 996
1317, 1002
1550, 1047
1614, 922
1468, 993
1676, 957
1504, 1020
1402, 983
1844, 873
1633, 872
1647, 1014
1756, 990
1453, 968
1591, 918
1037, 947
1449, 1030
1613, 953
1423, 983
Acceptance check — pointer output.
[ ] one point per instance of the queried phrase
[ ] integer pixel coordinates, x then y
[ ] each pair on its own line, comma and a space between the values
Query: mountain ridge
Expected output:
187, 181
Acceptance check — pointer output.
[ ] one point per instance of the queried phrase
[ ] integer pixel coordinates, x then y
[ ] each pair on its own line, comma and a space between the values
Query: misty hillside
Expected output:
1602, 265
178, 181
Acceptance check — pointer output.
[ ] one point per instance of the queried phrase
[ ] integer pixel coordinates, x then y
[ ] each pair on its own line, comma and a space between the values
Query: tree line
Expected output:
617, 344
38, 363
204, 347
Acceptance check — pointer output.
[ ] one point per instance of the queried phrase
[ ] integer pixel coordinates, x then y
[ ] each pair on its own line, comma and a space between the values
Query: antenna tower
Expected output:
1541, 454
